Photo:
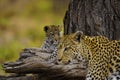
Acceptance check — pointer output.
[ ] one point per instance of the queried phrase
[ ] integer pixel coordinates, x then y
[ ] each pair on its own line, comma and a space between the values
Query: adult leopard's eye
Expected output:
65, 49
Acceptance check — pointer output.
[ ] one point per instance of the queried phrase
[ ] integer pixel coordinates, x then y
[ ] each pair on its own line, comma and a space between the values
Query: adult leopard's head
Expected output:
68, 48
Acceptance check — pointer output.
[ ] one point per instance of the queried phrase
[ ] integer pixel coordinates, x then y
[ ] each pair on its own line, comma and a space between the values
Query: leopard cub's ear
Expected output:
46, 28
77, 35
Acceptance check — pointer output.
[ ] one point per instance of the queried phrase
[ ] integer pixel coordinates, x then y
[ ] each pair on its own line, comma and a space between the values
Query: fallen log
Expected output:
38, 65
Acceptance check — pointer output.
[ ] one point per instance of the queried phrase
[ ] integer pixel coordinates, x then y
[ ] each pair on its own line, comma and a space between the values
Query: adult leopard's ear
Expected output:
46, 28
61, 30
77, 35
60, 27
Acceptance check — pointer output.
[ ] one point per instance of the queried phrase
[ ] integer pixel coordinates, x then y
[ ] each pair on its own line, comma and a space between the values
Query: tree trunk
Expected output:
94, 17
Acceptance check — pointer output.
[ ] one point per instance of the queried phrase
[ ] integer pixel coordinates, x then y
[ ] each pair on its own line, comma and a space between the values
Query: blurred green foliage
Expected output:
22, 22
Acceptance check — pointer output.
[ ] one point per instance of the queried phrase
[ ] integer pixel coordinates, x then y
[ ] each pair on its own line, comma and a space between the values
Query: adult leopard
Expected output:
101, 55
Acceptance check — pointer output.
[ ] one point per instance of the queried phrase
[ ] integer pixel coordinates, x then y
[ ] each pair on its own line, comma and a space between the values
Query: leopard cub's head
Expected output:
53, 32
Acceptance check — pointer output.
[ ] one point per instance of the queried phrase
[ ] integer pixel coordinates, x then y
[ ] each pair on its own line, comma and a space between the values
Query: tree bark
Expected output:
94, 17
